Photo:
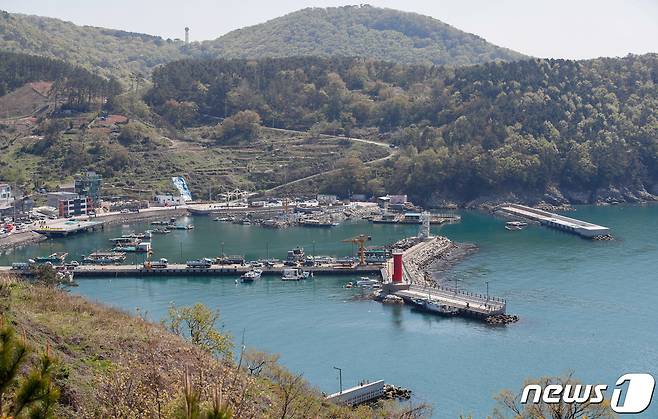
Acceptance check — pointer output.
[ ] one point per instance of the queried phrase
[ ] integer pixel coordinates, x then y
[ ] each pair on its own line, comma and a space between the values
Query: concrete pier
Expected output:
414, 287
549, 219
115, 271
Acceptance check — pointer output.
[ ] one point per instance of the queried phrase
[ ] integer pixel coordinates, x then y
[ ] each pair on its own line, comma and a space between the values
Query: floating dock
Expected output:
549, 219
65, 228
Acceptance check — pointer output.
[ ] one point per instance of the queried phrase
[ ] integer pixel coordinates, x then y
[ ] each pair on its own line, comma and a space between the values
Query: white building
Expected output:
169, 200
5, 194
327, 199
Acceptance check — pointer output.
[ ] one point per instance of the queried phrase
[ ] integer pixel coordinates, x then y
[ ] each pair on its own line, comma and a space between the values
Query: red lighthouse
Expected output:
397, 267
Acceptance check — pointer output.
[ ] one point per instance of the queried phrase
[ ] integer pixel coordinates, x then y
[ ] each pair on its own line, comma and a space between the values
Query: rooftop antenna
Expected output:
187, 35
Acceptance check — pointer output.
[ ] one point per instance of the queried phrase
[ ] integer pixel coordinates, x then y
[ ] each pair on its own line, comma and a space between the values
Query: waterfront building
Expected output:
70, 203
6, 196
6, 199
169, 200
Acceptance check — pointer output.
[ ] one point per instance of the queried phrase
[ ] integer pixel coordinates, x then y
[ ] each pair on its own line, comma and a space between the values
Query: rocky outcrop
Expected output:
553, 197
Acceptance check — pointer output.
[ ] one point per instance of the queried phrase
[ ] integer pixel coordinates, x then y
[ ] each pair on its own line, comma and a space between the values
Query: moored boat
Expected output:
104, 258
251, 275
294, 274
55, 258
515, 225
435, 307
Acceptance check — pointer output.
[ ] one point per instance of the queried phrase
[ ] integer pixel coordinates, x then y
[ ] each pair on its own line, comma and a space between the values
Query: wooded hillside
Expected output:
495, 127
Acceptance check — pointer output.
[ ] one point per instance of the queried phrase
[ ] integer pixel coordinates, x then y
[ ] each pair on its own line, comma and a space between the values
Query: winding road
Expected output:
391, 152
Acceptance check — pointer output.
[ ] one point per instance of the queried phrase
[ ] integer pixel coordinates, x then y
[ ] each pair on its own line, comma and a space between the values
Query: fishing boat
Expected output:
55, 258
367, 282
251, 276
142, 247
181, 227
104, 258
435, 307
515, 225
132, 237
161, 231
160, 223
294, 274
222, 219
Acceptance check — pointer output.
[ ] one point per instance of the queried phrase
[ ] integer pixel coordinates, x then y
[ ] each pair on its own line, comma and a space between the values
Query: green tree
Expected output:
244, 125
198, 323
32, 395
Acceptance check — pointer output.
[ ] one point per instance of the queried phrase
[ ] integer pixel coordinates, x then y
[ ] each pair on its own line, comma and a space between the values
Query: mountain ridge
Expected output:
348, 30
359, 31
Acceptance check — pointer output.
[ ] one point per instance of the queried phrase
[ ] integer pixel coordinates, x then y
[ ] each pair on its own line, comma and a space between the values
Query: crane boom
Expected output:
360, 240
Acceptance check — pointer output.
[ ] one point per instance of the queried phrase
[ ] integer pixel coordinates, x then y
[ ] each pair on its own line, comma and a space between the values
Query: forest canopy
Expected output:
523, 125
75, 86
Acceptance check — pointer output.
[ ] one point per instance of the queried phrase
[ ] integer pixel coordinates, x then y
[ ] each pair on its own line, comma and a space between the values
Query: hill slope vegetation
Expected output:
111, 364
498, 127
366, 31
103, 51
358, 31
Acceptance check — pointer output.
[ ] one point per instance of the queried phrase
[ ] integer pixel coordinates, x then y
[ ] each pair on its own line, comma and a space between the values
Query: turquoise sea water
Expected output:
590, 307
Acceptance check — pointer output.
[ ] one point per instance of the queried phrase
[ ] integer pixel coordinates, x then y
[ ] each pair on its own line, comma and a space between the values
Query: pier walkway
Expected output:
476, 304
560, 222
416, 259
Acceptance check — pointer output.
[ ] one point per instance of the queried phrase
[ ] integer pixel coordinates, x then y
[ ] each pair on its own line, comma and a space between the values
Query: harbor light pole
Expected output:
340, 378
487, 282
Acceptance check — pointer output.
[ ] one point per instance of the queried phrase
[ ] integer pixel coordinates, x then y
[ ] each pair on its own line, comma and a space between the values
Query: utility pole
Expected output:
487, 282
340, 378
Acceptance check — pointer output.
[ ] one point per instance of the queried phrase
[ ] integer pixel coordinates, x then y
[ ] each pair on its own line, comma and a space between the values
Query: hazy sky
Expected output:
543, 28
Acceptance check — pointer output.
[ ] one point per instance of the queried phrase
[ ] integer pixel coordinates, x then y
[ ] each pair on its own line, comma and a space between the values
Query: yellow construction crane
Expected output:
361, 240
147, 262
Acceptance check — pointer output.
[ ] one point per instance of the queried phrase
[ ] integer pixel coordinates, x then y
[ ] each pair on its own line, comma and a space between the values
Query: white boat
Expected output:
366, 282
515, 225
436, 308
294, 274
251, 276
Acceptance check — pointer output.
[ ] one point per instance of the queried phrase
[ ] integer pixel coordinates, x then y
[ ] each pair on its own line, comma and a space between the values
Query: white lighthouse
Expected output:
187, 35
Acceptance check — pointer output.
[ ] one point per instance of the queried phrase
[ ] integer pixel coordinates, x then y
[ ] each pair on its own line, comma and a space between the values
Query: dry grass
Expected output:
112, 364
